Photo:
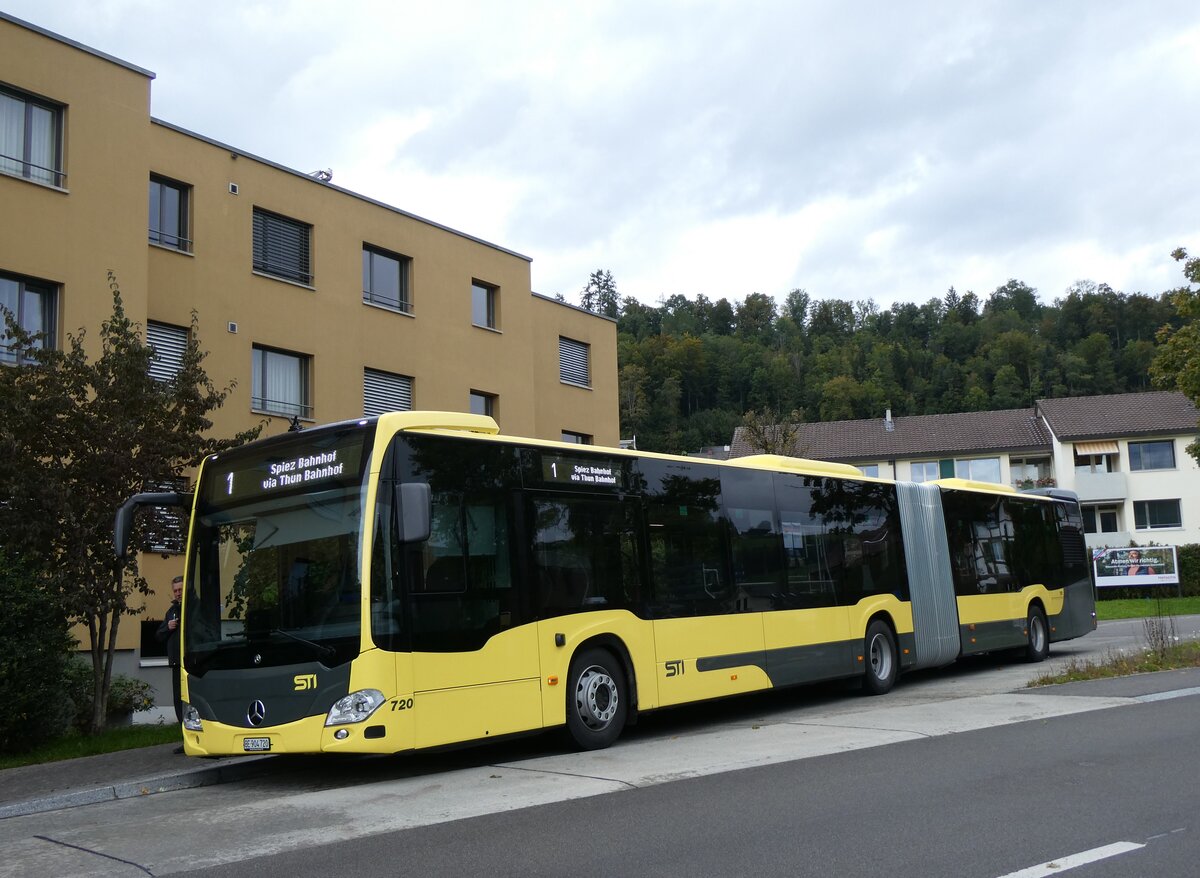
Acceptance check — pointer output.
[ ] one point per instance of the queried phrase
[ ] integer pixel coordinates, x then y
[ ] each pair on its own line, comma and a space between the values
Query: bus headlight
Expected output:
191, 718
355, 707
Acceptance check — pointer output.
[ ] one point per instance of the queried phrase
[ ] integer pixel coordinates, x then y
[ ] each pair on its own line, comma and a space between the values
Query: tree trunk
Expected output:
103, 649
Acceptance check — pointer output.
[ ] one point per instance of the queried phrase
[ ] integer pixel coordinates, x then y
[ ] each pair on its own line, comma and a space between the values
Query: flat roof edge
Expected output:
574, 307
49, 34
347, 192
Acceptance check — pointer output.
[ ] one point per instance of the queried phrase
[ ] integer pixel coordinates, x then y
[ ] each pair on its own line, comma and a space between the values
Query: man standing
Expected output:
168, 633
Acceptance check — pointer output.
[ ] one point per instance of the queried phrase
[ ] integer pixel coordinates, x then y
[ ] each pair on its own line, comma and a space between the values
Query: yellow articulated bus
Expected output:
417, 580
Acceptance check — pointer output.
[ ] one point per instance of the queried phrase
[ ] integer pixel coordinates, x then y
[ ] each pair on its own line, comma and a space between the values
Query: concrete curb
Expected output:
199, 777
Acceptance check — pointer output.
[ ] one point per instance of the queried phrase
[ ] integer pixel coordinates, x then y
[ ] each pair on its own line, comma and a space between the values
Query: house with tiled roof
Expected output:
1125, 455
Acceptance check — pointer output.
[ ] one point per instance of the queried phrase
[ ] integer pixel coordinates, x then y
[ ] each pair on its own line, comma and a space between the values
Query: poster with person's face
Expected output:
1149, 565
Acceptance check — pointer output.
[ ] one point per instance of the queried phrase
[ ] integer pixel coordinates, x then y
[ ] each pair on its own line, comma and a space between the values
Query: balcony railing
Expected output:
1100, 486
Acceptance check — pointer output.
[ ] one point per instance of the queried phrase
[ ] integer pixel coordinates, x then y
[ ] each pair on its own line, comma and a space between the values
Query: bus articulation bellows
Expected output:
416, 580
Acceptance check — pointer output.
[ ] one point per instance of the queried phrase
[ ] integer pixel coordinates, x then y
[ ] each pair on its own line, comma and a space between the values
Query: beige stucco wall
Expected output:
72, 236
98, 221
593, 410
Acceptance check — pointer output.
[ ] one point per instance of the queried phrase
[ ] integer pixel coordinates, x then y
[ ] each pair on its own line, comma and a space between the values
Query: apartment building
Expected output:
1125, 455
320, 304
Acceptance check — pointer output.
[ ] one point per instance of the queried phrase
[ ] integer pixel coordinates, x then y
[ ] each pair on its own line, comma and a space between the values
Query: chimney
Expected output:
888, 424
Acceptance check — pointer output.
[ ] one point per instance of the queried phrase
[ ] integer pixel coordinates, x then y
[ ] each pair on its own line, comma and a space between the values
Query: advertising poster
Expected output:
1148, 565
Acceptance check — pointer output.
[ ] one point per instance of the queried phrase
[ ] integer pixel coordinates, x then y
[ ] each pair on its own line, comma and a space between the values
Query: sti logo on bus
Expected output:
675, 668
305, 681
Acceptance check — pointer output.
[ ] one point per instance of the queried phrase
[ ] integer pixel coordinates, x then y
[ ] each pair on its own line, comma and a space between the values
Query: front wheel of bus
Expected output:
1038, 646
597, 702
881, 659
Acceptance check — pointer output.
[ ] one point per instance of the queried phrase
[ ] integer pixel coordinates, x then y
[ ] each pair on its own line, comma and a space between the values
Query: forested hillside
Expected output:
690, 368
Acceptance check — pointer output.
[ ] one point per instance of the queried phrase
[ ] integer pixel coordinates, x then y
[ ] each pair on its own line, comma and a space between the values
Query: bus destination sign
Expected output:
582, 472
330, 462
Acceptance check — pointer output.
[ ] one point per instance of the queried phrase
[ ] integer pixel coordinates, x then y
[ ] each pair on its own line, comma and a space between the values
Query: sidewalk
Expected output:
32, 789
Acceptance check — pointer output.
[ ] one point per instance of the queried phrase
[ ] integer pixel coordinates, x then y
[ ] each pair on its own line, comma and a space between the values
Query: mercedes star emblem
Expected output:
256, 713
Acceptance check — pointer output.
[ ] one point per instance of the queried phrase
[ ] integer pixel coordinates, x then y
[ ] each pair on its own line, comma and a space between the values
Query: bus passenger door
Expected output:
808, 636
708, 637
475, 667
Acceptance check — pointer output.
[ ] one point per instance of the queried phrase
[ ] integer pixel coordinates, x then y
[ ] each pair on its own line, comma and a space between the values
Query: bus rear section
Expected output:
1019, 569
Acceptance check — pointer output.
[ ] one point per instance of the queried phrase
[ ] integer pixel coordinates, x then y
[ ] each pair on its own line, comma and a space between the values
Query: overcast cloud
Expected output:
856, 150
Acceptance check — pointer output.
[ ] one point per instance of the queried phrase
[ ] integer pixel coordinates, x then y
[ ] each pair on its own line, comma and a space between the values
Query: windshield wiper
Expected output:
321, 650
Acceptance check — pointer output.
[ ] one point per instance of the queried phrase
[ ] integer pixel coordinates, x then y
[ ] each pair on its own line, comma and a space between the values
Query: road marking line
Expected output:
1174, 693
1054, 867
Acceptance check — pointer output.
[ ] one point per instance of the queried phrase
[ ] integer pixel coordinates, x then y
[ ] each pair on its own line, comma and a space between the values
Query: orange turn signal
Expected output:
552, 681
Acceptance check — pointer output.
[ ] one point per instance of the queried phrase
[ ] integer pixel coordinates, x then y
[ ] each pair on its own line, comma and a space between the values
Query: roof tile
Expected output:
966, 433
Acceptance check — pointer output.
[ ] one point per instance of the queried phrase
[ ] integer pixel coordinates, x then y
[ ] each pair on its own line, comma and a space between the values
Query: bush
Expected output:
1189, 569
35, 652
125, 694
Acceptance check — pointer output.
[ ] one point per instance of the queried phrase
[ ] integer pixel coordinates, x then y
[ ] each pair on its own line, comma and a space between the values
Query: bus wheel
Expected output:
882, 665
1039, 641
597, 703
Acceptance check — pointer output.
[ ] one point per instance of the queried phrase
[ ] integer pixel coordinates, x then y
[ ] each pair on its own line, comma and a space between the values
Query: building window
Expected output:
1097, 457
33, 304
385, 279
281, 247
1154, 514
169, 214
1031, 472
483, 403
868, 469
30, 138
169, 344
924, 471
483, 304
1152, 455
980, 469
384, 392
573, 362
166, 526
280, 383
1101, 519
576, 438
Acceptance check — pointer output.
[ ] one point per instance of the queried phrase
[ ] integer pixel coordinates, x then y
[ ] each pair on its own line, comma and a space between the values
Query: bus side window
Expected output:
810, 551
874, 548
756, 543
687, 559
461, 591
981, 543
584, 555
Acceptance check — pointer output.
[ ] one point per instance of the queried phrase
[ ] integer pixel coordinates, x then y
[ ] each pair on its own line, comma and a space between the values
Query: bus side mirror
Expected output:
123, 523
414, 501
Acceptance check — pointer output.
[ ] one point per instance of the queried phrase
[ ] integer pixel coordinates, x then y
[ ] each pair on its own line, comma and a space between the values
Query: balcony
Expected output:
1112, 538
1093, 487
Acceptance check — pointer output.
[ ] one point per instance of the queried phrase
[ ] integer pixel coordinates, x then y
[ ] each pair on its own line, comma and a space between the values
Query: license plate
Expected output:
256, 745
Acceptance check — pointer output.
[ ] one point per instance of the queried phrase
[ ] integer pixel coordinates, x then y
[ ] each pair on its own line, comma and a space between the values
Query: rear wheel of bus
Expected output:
597, 699
1038, 646
880, 657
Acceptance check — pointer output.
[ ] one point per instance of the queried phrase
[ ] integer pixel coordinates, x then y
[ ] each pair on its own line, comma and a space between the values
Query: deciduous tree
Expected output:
80, 436
1177, 364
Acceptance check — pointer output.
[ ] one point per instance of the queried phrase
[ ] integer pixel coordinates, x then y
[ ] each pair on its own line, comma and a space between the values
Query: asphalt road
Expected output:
959, 771
986, 804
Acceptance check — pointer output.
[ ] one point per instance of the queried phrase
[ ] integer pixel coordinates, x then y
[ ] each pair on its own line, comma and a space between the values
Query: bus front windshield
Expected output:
276, 574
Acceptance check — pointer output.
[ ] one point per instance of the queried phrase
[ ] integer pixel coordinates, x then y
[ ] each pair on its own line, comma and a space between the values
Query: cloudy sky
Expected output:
858, 150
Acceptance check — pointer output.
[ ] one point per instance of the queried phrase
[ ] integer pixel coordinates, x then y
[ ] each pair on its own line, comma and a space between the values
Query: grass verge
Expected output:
108, 741
1137, 608
1117, 664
